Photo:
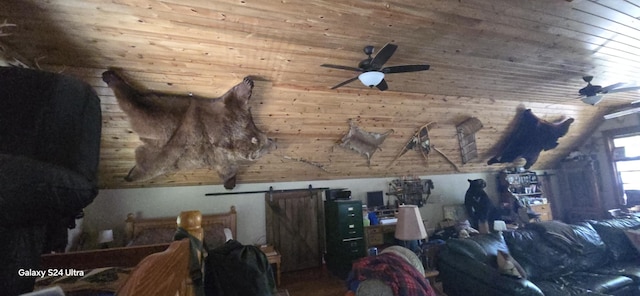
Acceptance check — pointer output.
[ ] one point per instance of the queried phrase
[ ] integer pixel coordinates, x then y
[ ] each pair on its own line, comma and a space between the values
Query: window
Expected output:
625, 152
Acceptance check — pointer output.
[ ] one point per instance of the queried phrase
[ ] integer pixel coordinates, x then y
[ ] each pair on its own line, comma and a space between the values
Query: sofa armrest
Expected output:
35, 192
472, 277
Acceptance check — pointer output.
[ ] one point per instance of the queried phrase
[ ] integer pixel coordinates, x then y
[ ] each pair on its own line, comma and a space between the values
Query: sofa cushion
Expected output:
601, 283
558, 234
634, 237
526, 246
593, 253
557, 288
509, 266
612, 233
630, 269
483, 248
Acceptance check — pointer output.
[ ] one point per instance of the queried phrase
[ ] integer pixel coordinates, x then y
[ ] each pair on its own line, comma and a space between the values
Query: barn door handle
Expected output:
270, 193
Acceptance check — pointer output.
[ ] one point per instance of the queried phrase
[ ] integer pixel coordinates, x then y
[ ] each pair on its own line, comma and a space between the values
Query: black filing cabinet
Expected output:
344, 233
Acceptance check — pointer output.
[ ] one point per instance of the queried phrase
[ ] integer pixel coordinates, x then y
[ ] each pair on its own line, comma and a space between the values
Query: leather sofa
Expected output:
587, 258
50, 127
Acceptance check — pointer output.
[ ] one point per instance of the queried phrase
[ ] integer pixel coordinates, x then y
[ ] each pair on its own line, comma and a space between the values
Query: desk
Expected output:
273, 257
381, 234
544, 210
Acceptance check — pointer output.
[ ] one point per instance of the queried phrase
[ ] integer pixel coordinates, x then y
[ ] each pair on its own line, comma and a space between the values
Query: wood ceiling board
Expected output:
488, 59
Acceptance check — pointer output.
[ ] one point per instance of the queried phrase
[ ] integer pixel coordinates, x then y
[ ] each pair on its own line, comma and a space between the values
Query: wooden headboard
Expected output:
134, 227
160, 269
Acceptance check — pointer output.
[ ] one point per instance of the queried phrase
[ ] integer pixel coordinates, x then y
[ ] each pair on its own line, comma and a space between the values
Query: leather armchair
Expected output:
50, 127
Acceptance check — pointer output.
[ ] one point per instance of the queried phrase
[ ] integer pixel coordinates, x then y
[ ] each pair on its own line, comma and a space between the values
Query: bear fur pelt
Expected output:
363, 142
530, 137
183, 132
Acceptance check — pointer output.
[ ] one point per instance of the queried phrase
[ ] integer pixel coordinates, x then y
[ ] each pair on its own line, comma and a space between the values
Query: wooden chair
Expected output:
167, 272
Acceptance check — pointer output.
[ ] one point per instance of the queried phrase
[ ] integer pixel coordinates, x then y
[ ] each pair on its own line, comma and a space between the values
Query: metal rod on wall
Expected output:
265, 191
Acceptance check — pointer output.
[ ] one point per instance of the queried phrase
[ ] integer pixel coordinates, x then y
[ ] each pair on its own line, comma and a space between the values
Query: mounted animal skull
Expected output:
188, 132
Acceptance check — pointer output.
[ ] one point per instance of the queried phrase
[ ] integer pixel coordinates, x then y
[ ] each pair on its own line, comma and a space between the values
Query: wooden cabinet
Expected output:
580, 197
344, 234
544, 210
524, 188
379, 235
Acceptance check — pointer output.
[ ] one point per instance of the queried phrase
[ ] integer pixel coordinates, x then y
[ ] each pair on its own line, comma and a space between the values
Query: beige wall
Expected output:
110, 208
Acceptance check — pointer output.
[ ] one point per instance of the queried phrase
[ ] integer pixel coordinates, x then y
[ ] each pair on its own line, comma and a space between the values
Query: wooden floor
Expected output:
319, 282
312, 282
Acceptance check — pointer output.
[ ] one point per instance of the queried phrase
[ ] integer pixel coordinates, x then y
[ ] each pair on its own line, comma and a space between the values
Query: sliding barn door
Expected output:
295, 226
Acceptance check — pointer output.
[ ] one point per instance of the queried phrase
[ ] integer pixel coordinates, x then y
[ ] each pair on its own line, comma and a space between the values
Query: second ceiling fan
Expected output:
372, 71
593, 94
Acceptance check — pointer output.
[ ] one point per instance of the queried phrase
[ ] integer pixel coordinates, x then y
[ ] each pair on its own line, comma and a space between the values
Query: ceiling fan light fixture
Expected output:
371, 78
593, 100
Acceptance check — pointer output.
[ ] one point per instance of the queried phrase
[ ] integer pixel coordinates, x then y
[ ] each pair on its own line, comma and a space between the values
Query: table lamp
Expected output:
105, 237
410, 226
499, 226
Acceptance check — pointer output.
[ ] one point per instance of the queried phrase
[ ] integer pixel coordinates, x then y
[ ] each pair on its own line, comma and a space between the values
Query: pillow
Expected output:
559, 235
153, 236
228, 235
509, 266
216, 235
634, 237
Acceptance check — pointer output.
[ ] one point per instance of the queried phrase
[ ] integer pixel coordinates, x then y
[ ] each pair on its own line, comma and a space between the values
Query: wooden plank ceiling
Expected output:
488, 59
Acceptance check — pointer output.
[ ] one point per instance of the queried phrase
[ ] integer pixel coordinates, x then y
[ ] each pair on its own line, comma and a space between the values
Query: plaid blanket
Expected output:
393, 270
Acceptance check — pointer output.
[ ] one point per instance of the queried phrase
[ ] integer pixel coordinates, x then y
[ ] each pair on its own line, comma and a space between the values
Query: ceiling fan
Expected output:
634, 108
593, 94
372, 71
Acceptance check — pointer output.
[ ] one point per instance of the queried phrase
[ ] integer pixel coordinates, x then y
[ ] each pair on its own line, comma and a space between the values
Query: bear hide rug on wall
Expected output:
530, 137
189, 132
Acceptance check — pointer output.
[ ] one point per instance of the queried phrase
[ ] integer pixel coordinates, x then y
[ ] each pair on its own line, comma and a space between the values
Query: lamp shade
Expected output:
105, 236
410, 225
499, 225
371, 78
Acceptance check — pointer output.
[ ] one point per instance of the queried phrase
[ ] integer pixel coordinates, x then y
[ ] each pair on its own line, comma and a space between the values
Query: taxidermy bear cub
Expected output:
180, 132
479, 207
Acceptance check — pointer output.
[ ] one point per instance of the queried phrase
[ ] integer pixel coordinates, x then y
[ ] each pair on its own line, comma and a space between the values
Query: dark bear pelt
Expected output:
530, 137
183, 132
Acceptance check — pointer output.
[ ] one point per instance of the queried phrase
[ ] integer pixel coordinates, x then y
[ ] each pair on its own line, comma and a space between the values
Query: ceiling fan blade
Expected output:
624, 89
383, 56
382, 85
405, 68
622, 113
342, 67
345, 82
609, 88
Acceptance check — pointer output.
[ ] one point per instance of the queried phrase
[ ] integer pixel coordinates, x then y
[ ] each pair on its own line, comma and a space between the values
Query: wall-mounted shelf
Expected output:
526, 187
411, 191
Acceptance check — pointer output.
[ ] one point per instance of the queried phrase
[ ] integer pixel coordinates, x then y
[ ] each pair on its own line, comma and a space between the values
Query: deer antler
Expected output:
5, 24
